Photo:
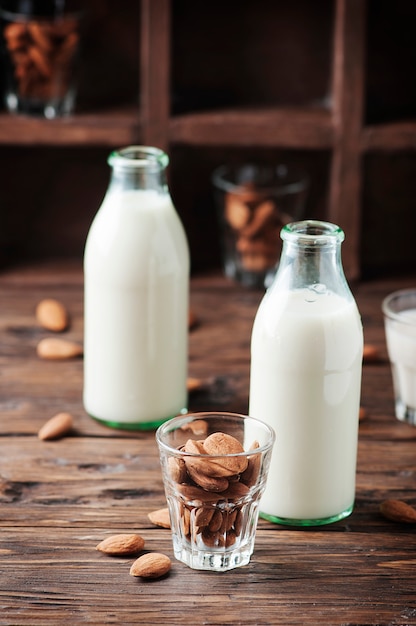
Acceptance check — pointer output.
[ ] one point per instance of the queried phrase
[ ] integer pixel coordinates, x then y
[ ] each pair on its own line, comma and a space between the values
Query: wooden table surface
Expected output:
59, 499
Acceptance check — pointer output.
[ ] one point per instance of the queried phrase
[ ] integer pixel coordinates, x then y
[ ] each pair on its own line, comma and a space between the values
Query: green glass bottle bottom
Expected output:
152, 425
284, 521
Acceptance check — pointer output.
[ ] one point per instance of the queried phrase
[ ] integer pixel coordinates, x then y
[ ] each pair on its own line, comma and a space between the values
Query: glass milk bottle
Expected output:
305, 380
136, 275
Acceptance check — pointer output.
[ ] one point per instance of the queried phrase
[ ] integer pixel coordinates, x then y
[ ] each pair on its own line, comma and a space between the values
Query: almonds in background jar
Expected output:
41, 52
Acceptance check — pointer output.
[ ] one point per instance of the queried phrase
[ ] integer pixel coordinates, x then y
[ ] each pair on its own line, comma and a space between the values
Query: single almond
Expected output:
232, 519
203, 516
235, 491
216, 484
52, 315
231, 538
250, 475
151, 565
217, 520
258, 262
197, 427
122, 544
228, 518
262, 217
212, 540
54, 349
238, 522
371, 353
362, 413
398, 511
197, 495
192, 320
200, 470
160, 517
177, 469
219, 443
194, 384
266, 245
56, 427
185, 521
237, 213
194, 447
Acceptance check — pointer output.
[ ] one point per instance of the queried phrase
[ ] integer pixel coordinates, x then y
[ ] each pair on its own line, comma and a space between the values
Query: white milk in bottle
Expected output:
305, 381
136, 271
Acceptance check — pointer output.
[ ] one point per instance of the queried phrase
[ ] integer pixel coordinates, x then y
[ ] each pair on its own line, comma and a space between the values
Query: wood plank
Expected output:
155, 71
348, 106
60, 498
107, 128
290, 127
389, 137
56, 583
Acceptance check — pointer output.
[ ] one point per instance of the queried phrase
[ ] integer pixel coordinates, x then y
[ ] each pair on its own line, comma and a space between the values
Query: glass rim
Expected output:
138, 156
54, 17
397, 316
218, 177
313, 232
176, 422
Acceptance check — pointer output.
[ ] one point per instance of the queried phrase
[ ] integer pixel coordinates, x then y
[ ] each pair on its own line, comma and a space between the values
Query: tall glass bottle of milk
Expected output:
136, 296
305, 379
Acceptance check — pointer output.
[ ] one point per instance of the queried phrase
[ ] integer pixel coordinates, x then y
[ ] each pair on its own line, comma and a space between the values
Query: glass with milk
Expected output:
136, 283
305, 380
399, 310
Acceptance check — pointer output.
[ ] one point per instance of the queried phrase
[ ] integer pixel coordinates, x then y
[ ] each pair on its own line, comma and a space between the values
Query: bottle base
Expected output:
151, 425
285, 521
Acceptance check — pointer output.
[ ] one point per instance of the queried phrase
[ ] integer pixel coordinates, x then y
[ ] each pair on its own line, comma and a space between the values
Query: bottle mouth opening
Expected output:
139, 157
312, 232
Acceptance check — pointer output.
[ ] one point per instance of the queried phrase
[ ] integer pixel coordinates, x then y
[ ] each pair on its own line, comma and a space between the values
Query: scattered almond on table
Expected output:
194, 384
398, 511
362, 413
192, 320
56, 427
52, 315
123, 544
54, 348
151, 565
371, 353
160, 517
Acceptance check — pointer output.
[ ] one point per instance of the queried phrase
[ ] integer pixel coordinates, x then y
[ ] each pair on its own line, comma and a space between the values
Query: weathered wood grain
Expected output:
58, 499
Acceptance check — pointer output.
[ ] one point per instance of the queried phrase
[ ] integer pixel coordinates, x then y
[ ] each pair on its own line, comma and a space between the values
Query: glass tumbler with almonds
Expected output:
214, 468
40, 44
254, 201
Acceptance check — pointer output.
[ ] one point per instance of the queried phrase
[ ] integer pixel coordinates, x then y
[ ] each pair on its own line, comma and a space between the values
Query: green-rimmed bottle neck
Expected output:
139, 167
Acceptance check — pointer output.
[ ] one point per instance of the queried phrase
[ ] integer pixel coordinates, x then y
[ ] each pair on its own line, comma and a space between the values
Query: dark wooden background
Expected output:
229, 82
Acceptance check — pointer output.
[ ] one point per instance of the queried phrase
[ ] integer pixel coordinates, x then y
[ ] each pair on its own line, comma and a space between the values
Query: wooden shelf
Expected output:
389, 137
110, 128
287, 127
294, 127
